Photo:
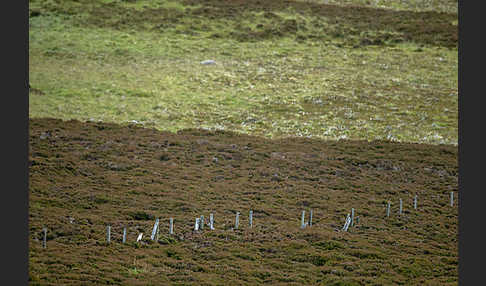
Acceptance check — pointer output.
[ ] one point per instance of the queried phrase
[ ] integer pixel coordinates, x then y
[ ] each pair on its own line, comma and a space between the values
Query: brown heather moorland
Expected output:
86, 175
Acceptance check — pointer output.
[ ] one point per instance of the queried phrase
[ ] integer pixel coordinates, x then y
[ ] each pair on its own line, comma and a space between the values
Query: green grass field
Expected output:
299, 69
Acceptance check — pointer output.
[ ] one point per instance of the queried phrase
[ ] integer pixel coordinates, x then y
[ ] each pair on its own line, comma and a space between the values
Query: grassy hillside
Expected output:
128, 125
326, 69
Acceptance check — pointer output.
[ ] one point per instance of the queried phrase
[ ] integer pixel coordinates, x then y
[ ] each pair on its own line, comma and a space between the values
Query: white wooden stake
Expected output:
156, 225
388, 209
415, 202
211, 221
44, 241
171, 226
108, 233
124, 235
302, 220
201, 224
310, 218
352, 216
452, 199
237, 221
401, 206
139, 237
196, 225
347, 223
251, 218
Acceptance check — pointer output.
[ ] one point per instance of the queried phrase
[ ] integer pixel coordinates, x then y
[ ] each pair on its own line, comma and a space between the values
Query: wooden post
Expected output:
401, 206
156, 225
171, 226
352, 216
44, 241
310, 218
452, 199
251, 218
388, 209
211, 221
415, 202
201, 222
347, 223
237, 221
124, 235
302, 220
108, 228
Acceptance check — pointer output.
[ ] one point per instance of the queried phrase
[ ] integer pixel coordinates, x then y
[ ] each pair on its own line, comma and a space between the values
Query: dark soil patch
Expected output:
84, 176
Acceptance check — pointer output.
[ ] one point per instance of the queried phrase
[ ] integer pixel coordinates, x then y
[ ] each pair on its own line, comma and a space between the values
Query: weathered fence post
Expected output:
388, 209
415, 202
44, 241
352, 216
347, 223
237, 220
171, 226
401, 206
108, 228
201, 224
310, 218
211, 221
452, 199
302, 221
251, 218
154, 230
196, 224
124, 239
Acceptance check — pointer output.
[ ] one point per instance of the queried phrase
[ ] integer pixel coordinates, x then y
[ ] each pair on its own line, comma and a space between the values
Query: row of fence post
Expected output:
415, 199
199, 223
